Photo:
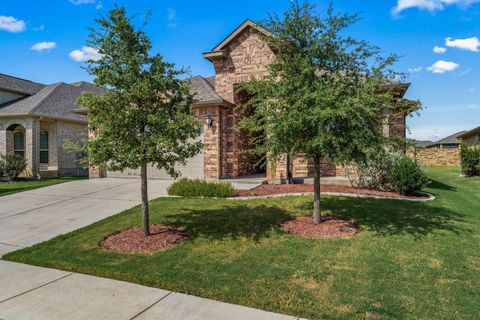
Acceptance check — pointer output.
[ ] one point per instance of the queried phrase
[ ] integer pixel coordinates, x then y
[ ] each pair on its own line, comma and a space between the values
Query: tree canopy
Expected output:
326, 93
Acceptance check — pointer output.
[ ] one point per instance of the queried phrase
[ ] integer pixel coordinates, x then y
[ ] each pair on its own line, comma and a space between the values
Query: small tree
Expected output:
143, 117
325, 94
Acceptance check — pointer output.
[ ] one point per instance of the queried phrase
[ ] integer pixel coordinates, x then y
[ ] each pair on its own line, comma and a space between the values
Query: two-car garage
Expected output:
194, 169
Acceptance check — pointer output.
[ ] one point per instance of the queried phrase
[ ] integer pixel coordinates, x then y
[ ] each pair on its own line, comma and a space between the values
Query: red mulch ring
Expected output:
328, 228
273, 189
133, 241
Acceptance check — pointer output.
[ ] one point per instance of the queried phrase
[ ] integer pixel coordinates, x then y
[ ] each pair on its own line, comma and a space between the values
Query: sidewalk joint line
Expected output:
151, 306
43, 285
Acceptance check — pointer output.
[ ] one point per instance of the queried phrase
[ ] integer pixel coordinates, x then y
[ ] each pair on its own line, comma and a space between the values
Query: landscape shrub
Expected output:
470, 159
408, 176
375, 172
2, 165
13, 166
201, 189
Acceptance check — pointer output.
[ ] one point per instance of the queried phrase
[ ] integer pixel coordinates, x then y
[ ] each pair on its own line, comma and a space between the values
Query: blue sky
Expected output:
41, 40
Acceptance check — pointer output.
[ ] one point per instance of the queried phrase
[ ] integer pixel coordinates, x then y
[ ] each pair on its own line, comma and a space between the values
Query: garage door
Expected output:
192, 170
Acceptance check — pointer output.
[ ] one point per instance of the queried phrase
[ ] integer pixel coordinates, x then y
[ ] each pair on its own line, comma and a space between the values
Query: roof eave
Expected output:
470, 133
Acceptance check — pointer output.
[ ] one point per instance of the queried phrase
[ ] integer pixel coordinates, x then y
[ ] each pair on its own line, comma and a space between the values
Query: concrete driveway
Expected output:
31, 217
28, 292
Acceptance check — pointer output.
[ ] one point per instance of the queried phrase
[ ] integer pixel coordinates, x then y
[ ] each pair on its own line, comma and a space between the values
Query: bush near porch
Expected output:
410, 260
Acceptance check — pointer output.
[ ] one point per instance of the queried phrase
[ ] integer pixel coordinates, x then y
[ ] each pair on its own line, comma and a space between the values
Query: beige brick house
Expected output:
238, 58
37, 119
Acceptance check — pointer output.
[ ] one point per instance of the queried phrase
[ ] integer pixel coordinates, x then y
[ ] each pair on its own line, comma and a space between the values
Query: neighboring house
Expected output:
37, 119
421, 144
238, 58
450, 142
471, 138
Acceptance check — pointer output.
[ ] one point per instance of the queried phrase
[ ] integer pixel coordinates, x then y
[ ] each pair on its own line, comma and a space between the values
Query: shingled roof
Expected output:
54, 101
204, 90
18, 85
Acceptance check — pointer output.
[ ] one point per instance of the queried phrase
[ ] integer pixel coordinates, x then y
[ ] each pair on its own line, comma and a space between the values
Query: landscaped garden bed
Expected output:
408, 258
285, 189
132, 240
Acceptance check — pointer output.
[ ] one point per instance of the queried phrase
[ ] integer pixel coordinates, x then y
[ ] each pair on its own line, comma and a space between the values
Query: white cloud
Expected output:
39, 28
415, 70
41, 46
78, 2
12, 24
437, 132
430, 5
172, 18
440, 50
443, 66
99, 6
85, 54
470, 44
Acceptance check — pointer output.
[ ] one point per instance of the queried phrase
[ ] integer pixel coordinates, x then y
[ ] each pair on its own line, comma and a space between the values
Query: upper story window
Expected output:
19, 144
44, 147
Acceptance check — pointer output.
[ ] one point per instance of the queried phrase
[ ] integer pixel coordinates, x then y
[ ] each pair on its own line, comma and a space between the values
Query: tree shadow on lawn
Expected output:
253, 222
434, 184
394, 217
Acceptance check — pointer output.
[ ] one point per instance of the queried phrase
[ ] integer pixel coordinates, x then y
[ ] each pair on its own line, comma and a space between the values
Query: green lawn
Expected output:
21, 186
410, 261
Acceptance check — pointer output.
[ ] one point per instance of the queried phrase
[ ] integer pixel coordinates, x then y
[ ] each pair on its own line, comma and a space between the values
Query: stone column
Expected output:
3, 141
32, 142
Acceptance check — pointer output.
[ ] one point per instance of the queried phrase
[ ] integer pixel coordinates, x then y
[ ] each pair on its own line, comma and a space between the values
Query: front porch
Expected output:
35, 141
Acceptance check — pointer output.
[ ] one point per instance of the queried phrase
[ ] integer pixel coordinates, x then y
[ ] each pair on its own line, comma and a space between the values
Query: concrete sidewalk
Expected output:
28, 292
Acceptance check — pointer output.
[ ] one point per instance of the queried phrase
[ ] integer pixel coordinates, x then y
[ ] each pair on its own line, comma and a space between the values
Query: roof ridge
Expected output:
18, 78
55, 87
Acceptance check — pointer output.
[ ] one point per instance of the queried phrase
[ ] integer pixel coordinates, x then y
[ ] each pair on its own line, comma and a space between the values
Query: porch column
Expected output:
3, 141
32, 141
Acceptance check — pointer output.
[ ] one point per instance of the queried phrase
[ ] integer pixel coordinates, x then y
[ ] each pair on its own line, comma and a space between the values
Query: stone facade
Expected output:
437, 157
60, 160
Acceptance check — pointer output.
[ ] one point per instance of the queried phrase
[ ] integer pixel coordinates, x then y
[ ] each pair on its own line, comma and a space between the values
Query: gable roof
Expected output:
19, 85
451, 139
471, 133
54, 101
219, 50
86, 86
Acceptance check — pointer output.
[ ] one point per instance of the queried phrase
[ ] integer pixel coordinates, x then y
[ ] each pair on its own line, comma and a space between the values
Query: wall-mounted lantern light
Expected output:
208, 121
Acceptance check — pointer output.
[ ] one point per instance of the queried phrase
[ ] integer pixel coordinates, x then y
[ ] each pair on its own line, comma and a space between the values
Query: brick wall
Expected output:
247, 56
67, 159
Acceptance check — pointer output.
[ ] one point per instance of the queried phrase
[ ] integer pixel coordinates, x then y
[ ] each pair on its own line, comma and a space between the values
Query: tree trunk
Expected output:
317, 215
289, 170
145, 209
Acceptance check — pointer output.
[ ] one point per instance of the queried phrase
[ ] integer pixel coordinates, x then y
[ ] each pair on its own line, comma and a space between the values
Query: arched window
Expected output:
19, 143
44, 147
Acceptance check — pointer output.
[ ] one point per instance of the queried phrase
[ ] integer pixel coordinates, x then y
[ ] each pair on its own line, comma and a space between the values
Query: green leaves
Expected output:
326, 92
144, 116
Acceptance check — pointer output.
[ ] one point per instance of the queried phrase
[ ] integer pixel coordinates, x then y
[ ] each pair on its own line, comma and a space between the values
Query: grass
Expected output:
411, 260
11, 188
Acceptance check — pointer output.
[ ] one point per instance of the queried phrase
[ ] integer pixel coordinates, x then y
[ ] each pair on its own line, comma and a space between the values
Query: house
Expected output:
471, 138
450, 142
421, 144
239, 57
36, 120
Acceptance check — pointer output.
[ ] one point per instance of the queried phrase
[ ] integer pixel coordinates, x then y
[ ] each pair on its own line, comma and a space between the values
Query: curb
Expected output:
351, 195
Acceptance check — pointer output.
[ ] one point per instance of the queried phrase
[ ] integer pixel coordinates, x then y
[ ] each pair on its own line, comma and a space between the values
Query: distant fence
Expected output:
437, 157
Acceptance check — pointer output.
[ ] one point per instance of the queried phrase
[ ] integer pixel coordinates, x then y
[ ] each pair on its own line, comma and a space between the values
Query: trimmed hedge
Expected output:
470, 158
201, 189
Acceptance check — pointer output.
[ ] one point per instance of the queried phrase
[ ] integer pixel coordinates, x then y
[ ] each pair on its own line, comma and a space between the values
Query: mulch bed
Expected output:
133, 241
269, 189
329, 228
